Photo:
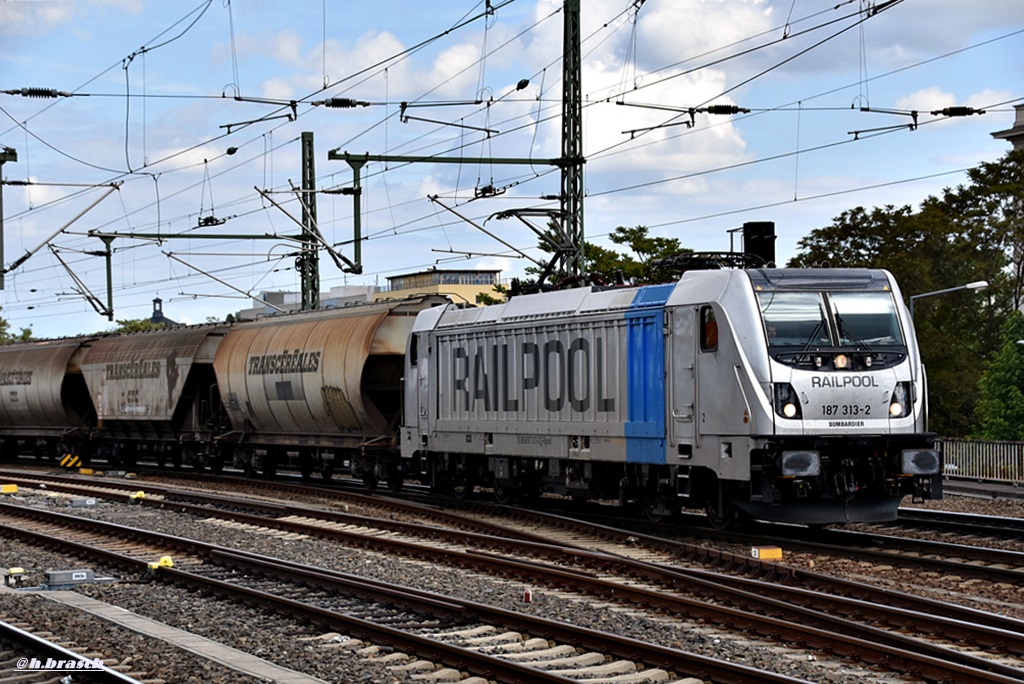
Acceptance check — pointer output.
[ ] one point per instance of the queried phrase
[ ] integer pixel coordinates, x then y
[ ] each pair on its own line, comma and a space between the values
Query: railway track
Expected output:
430, 626
27, 658
989, 564
848, 610
971, 524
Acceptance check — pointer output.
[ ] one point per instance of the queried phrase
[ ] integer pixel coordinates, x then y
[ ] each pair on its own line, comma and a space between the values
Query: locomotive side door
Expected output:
723, 408
415, 386
682, 323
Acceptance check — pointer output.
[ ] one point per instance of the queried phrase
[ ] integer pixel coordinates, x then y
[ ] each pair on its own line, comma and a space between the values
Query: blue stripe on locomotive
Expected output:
645, 375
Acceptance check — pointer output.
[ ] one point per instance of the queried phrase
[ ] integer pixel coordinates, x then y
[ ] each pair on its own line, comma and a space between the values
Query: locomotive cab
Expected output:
847, 437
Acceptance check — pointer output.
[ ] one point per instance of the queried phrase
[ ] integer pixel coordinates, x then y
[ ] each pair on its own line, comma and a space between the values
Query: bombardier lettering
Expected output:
295, 361
550, 374
839, 381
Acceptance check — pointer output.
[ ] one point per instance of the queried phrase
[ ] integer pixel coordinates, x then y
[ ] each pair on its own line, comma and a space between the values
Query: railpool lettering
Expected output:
16, 377
131, 370
294, 361
838, 381
508, 376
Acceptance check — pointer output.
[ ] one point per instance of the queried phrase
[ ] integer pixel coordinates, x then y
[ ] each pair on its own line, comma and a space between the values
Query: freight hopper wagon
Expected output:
154, 396
780, 394
319, 390
118, 398
44, 405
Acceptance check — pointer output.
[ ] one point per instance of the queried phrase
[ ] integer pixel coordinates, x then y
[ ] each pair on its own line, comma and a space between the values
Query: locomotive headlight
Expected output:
899, 406
841, 361
786, 403
801, 463
920, 461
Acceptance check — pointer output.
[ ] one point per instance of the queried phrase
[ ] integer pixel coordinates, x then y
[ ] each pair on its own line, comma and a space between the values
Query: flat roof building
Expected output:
465, 286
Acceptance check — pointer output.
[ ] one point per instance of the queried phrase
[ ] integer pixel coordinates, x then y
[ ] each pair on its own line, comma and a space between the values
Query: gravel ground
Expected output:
329, 656
121, 648
221, 620
984, 505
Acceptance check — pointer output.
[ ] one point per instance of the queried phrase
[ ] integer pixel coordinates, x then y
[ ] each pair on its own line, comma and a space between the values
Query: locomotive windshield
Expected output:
833, 319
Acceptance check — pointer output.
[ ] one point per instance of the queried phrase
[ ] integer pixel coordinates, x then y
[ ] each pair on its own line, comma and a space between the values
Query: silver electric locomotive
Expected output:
781, 394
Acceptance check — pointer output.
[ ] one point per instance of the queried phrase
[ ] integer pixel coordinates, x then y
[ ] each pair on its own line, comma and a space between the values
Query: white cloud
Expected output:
285, 46
33, 18
926, 100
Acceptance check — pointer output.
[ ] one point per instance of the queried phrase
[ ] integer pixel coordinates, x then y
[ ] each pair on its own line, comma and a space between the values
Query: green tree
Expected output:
486, 299
1000, 410
973, 232
634, 266
993, 206
638, 266
134, 325
7, 337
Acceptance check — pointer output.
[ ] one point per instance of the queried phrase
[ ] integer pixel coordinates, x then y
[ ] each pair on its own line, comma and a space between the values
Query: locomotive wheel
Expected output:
652, 506
653, 513
719, 516
395, 482
725, 516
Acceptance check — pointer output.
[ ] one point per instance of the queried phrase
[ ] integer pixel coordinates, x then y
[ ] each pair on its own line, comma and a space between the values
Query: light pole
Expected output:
979, 285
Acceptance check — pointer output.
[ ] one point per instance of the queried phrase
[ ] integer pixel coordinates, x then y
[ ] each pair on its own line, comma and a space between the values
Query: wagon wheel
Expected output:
502, 494
327, 470
529, 493
462, 485
370, 481
395, 480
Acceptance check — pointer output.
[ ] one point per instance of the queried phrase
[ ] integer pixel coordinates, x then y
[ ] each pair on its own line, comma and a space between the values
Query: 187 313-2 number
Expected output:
846, 409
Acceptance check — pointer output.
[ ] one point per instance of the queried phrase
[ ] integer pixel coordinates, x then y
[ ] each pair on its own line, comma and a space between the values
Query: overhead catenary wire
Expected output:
242, 200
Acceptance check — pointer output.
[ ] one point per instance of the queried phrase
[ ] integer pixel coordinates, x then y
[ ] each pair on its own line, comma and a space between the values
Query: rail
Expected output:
991, 461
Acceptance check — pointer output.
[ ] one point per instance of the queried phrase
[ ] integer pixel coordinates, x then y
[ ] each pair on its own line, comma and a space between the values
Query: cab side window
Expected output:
708, 330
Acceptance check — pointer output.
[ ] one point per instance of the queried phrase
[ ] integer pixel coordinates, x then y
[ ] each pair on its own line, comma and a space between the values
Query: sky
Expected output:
176, 129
